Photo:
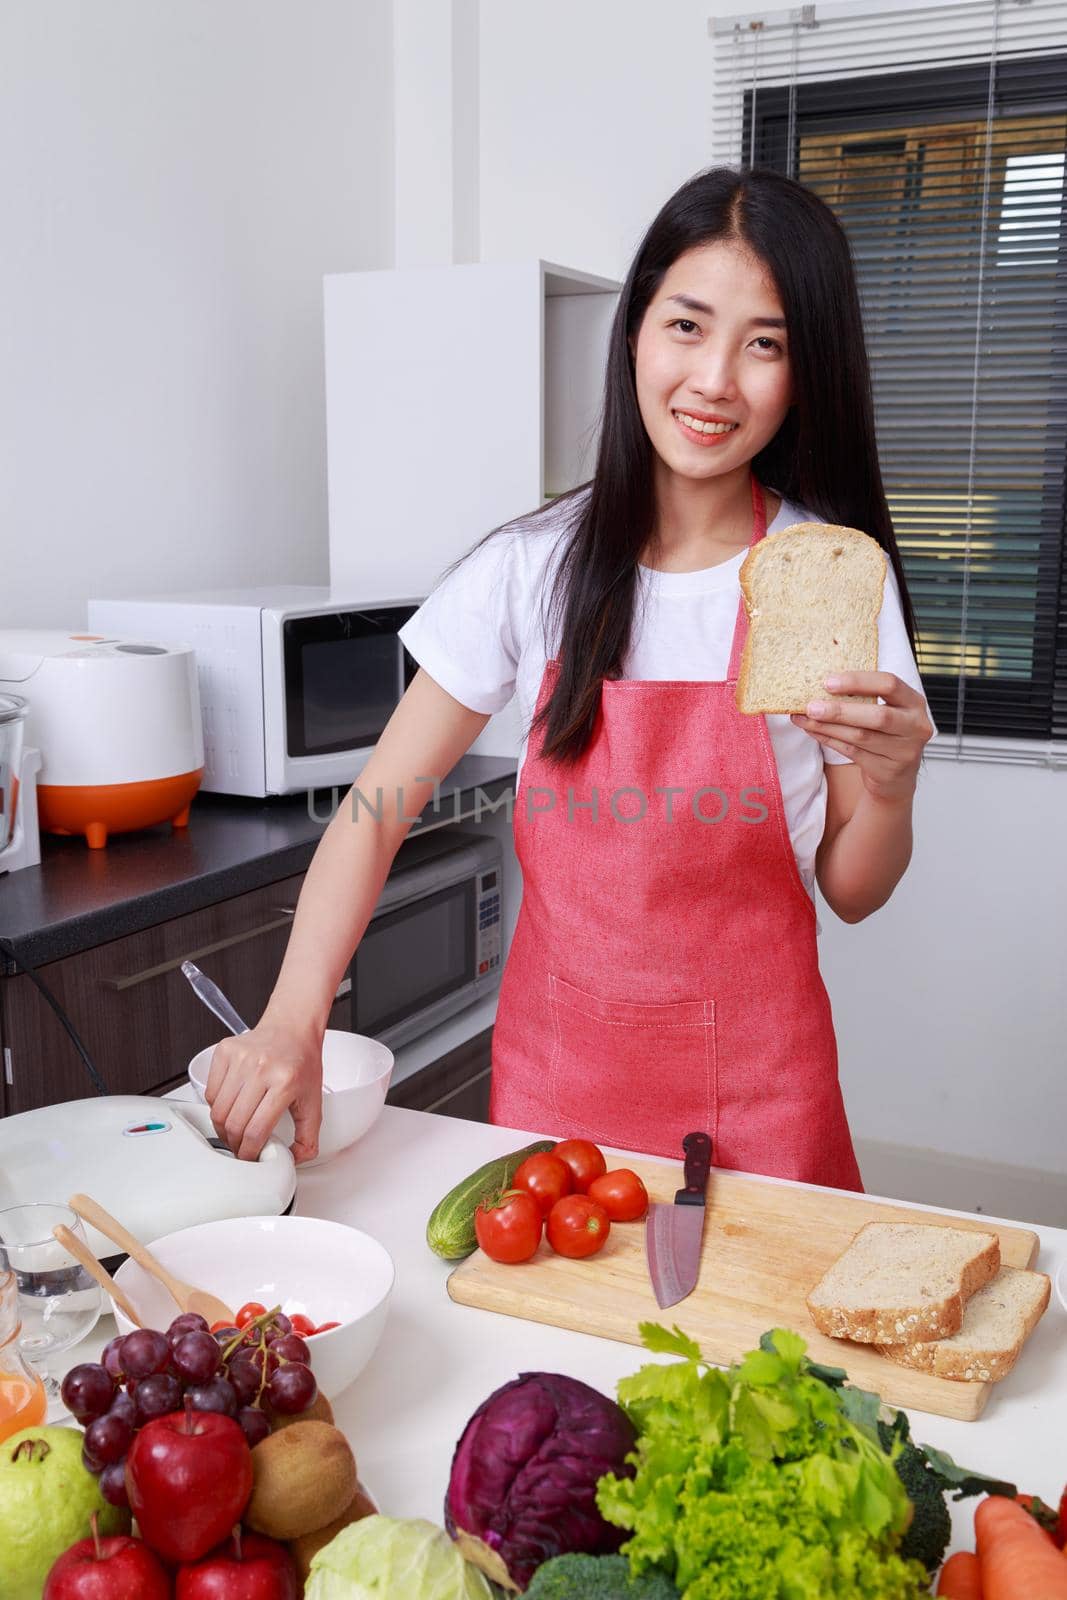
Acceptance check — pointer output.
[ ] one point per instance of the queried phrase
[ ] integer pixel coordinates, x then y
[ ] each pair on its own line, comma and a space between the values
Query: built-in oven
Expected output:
433, 945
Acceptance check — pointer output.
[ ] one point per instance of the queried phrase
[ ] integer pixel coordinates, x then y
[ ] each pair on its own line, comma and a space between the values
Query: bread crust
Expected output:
908, 1324
969, 1365
770, 548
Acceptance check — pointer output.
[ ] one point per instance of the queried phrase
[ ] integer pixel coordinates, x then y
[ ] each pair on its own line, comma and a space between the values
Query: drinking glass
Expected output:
58, 1302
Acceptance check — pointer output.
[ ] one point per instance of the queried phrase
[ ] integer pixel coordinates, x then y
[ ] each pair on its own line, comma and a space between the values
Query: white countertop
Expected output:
438, 1361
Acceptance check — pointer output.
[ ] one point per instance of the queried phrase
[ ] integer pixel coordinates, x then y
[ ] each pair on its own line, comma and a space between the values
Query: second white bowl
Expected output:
328, 1271
355, 1075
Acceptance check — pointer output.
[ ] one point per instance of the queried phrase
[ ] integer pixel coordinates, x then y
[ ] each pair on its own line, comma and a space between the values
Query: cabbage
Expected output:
524, 1475
380, 1557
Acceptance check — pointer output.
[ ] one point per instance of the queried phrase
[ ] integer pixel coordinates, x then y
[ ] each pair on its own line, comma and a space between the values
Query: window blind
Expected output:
938, 136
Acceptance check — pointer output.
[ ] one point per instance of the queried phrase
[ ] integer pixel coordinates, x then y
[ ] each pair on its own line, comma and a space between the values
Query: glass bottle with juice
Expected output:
22, 1396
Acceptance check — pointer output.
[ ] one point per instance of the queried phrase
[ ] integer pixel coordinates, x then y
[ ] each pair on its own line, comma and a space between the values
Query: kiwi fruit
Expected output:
302, 1478
320, 1410
303, 1549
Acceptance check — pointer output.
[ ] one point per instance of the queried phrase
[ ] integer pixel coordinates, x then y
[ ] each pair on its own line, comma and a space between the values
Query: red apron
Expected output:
664, 974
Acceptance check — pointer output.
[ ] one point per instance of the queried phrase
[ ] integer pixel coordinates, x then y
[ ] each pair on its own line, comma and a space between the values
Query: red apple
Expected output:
189, 1477
246, 1567
114, 1568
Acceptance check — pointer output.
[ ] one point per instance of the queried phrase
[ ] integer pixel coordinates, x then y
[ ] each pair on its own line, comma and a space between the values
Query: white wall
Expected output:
591, 115
176, 181
951, 1003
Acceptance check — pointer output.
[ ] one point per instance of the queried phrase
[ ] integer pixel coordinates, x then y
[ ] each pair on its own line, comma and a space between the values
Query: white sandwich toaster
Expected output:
157, 1165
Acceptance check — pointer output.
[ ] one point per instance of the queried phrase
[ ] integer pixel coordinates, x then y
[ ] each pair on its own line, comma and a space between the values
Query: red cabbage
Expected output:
525, 1471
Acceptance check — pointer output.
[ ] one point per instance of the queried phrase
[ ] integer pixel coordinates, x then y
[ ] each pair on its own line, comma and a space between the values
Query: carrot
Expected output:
961, 1577
1018, 1562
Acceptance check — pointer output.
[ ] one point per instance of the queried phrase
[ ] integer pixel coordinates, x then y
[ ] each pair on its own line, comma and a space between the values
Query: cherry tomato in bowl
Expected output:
585, 1161
577, 1226
545, 1177
510, 1229
248, 1313
621, 1193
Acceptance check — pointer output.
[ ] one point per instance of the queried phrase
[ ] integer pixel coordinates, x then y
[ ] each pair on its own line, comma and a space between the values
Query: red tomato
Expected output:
577, 1226
510, 1229
584, 1160
546, 1177
621, 1193
301, 1324
248, 1312
215, 1326
324, 1327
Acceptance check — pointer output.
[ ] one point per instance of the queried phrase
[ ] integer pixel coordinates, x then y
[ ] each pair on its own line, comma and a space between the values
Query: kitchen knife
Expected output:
673, 1232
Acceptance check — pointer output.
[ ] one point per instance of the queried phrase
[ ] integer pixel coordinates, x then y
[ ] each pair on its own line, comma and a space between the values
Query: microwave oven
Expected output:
432, 946
296, 684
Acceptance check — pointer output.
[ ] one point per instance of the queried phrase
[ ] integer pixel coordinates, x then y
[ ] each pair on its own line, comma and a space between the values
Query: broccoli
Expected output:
930, 1529
928, 1474
581, 1577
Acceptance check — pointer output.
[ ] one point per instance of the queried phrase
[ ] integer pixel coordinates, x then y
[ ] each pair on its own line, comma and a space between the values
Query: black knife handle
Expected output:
697, 1147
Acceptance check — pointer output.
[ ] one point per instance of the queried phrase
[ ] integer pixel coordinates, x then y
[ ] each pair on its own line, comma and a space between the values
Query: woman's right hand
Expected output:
257, 1075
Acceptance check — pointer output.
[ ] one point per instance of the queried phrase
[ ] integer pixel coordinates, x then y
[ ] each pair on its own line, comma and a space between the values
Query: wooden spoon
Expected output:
82, 1253
209, 1306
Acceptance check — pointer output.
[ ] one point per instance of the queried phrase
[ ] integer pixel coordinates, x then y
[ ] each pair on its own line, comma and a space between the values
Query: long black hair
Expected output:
824, 456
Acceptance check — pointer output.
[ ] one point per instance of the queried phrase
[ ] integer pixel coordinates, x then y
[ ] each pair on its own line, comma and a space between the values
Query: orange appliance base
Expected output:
97, 810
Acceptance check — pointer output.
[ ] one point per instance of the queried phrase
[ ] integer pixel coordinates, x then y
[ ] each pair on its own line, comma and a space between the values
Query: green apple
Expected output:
46, 1499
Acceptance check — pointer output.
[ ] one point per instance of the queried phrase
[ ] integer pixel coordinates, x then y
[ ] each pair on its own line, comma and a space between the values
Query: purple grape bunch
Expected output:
248, 1373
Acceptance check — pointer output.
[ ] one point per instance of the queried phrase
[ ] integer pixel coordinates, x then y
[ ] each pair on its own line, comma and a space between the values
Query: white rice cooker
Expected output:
117, 722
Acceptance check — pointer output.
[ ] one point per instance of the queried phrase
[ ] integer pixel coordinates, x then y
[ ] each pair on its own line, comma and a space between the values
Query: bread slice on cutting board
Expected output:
812, 593
902, 1282
997, 1321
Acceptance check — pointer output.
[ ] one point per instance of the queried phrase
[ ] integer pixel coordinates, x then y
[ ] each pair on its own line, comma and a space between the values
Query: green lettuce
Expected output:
755, 1484
389, 1556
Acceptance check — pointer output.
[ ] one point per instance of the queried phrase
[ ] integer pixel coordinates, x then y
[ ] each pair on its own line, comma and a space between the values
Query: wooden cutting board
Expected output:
765, 1246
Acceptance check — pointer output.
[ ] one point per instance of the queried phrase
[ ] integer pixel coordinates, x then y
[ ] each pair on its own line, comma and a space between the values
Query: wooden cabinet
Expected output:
142, 1024
140, 1021
456, 1085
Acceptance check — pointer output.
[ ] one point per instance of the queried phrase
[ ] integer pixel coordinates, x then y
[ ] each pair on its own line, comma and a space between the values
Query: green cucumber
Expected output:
450, 1230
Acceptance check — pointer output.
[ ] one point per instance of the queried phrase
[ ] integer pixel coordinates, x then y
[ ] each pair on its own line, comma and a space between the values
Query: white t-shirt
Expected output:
482, 635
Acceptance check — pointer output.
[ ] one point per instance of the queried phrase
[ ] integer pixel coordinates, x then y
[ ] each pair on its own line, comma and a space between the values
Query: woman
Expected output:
664, 973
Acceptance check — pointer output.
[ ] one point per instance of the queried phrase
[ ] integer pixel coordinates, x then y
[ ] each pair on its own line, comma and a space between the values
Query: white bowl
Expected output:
1061, 1285
355, 1075
330, 1272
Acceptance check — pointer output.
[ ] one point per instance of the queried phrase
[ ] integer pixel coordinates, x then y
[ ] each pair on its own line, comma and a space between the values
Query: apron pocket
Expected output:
630, 1074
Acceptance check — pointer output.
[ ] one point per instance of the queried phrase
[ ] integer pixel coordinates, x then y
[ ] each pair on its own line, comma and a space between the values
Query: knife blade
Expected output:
673, 1233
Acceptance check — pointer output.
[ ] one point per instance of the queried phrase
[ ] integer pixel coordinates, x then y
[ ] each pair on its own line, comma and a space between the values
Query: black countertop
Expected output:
79, 898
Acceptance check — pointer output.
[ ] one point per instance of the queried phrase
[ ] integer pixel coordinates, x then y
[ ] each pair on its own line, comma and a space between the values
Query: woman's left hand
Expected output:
885, 741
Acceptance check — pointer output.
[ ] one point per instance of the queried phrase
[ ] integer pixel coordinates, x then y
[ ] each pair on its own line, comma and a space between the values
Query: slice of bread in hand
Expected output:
900, 1282
997, 1321
812, 593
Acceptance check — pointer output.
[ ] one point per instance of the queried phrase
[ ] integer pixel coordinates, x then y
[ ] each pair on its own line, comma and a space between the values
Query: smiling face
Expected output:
712, 363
